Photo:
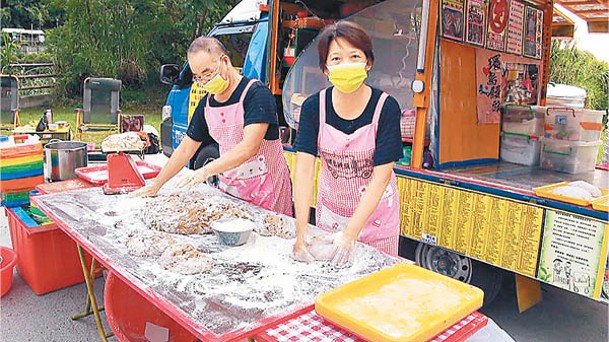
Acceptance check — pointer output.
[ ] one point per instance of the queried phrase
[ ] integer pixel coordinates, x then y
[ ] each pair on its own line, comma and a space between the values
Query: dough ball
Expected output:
594, 191
572, 191
185, 259
148, 243
321, 247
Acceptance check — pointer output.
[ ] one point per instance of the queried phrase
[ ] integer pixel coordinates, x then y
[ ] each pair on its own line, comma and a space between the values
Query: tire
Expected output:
489, 279
205, 155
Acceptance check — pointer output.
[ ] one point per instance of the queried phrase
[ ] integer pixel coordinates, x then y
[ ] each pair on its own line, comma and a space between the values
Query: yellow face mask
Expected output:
217, 84
347, 77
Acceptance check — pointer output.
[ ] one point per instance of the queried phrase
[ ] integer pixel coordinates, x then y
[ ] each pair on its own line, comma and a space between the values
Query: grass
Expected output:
65, 112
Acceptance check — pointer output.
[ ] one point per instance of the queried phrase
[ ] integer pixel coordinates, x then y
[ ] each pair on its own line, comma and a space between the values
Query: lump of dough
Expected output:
185, 259
276, 225
148, 243
186, 214
572, 191
321, 247
594, 191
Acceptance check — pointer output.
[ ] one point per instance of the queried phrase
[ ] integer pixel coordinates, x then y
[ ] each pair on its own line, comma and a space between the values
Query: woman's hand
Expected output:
195, 178
344, 244
300, 251
150, 190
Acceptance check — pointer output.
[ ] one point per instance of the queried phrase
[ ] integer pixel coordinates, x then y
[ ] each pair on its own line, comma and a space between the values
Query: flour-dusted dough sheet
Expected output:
185, 259
184, 214
148, 243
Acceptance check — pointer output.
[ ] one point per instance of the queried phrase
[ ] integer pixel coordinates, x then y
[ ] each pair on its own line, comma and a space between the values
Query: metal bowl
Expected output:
233, 232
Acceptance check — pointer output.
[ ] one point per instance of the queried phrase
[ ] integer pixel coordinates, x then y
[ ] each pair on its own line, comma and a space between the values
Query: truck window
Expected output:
236, 43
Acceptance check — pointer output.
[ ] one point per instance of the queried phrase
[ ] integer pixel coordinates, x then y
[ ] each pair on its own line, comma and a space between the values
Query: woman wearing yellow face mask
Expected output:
355, 130
240, 114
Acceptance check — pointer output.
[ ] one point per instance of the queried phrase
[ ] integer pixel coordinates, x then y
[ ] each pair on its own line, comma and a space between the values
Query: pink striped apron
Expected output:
264, 180
347, 163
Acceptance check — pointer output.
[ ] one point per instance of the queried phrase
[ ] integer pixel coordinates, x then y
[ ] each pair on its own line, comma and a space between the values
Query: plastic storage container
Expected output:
520, 148
9, 259
562, 95
568, 156
48, 259
573, 124
128, 312
528, 120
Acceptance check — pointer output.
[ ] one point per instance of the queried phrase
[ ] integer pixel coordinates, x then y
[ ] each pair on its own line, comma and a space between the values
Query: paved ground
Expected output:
562, 316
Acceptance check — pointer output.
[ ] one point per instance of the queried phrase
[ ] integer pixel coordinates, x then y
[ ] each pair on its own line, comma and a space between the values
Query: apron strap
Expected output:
322, 107
247, 87
243, 94
379, 108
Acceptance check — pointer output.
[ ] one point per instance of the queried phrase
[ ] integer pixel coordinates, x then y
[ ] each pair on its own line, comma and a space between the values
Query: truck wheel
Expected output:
462, 268
206, 155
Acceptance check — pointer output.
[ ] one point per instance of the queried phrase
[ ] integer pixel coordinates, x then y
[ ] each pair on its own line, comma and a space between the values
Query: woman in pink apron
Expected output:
240, 114
355, 130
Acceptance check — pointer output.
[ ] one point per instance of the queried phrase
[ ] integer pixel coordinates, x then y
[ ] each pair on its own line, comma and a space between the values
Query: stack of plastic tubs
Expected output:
21, 171
521, 129
571, 140
48, 259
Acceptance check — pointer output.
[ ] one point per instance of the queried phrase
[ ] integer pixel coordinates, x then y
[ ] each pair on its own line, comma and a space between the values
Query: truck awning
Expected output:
594, 12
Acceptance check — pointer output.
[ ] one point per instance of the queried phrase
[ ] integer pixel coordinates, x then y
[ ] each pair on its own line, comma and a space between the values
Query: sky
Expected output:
596, 43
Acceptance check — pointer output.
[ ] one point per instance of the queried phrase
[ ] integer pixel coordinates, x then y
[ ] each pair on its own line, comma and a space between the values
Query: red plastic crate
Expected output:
98, 174
67, 185
47, 258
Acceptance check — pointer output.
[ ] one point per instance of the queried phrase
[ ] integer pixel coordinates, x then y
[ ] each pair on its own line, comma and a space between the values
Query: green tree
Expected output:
568, 65
29, 14
126, 39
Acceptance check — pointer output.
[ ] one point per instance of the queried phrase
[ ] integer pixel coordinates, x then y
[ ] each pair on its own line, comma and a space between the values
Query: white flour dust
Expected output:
244, 285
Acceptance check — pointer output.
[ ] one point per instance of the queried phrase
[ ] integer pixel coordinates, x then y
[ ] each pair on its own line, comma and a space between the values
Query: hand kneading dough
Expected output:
594, 191
321, 247
185, 259
148, 243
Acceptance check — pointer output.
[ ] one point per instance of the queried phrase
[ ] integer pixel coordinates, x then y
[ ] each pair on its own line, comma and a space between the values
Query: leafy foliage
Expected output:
128, 39
9, 51
568, 65
29, 14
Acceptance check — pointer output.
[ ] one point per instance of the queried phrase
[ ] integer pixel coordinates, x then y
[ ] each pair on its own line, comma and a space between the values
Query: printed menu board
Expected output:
573, 253
487, 228
515, 27
533, 32
475, 22
498, 16
452, 19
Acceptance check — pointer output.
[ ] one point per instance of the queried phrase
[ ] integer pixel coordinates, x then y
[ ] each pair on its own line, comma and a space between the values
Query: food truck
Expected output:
484, 154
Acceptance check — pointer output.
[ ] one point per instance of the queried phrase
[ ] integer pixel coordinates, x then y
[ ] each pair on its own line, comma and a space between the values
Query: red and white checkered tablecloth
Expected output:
312, 327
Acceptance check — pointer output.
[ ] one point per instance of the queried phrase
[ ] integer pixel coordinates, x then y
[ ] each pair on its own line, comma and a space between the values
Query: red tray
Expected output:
98, 174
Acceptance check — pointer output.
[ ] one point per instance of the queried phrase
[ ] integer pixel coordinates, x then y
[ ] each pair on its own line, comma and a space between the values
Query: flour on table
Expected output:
185, 259
148, 243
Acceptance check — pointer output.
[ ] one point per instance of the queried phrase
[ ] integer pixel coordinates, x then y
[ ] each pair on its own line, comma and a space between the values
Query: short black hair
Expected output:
207, 44
349, 31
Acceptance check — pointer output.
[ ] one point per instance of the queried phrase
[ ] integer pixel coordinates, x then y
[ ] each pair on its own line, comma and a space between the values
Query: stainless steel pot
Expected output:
61, 158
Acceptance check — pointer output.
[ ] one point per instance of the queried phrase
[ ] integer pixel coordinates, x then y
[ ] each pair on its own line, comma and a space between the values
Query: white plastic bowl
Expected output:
233, 232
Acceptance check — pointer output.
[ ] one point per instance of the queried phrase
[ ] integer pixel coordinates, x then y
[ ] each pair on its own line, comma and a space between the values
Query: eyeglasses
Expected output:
203, 79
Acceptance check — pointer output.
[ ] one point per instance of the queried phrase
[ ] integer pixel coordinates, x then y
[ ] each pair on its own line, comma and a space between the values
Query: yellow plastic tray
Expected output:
546, 192
601, 203
401, 303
